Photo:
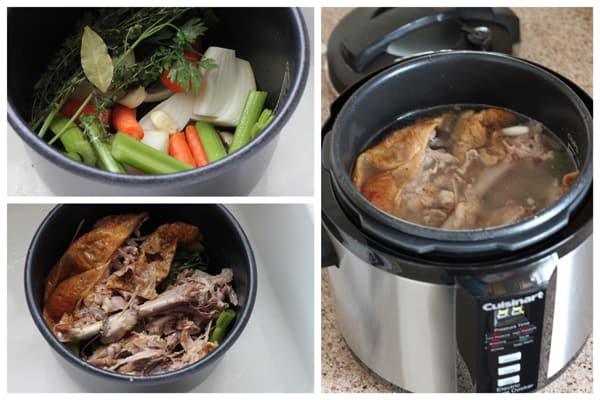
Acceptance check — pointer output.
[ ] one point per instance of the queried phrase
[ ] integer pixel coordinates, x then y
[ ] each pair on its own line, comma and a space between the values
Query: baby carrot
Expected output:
179, 149
124, 120
196, 147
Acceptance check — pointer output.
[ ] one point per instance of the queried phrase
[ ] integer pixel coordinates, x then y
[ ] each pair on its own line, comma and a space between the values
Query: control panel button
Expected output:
506, 358
509, 369
509, 380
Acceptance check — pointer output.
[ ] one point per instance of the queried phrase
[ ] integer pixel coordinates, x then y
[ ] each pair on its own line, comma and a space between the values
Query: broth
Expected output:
464, 166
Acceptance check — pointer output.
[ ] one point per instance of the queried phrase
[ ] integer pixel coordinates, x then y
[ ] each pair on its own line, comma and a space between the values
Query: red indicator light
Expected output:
495, 339
495, 346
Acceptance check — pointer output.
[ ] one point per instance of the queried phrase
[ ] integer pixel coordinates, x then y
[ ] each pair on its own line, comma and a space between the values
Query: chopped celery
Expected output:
94, 132
252, 110
143, 157
72, 139
211, 141
223, 321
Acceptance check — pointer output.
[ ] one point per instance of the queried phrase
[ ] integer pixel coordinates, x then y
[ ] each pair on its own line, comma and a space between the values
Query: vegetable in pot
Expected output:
227, 86
97, 73
124, 120
225, 319
179, 149
178, 107
196, 147
158, 140
211, 141
252, 110
143, 157
94, 132
72, 139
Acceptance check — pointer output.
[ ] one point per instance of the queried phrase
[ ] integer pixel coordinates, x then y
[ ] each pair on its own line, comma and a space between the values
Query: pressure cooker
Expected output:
502, 309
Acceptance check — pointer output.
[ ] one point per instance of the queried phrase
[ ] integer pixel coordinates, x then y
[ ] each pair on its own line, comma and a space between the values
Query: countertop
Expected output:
559, 38
282, 317
290, 172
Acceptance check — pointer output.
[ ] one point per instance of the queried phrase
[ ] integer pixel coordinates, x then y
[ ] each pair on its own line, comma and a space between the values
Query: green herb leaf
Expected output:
95, 60
185, 259
73, 348
191, 30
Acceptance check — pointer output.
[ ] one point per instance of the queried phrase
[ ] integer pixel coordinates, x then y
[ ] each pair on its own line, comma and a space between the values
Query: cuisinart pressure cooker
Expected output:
494, 310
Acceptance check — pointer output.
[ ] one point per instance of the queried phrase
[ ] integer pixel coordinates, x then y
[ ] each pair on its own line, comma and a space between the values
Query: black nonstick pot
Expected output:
226, 245
273, 40
443, 78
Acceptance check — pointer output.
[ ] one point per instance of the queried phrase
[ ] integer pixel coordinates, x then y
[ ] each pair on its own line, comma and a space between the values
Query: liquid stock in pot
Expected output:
464, 167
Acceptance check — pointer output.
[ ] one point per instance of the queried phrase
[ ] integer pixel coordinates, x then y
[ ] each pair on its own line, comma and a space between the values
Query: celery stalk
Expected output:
72, 139
72, 155
105, 159
143, 157
252, 110
222, 326
211, 141
265, 118
95, 132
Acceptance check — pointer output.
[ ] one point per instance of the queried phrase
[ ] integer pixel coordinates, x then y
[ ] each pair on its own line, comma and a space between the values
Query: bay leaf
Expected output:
95, 60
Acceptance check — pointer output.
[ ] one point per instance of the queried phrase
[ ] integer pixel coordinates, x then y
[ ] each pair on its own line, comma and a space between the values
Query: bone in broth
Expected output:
464, 167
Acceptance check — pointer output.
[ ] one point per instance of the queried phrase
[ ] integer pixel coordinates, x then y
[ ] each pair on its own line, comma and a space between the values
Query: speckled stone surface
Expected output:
559, 38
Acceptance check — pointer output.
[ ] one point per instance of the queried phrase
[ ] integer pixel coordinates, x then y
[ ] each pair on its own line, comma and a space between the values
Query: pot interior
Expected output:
467, 78
460, 77
274, 50
226, 246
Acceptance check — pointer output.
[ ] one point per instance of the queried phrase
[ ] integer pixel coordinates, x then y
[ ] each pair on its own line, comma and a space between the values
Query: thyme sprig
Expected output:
168, 31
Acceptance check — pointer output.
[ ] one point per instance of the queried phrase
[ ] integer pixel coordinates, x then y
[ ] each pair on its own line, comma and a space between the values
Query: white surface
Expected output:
274, 352
290, 172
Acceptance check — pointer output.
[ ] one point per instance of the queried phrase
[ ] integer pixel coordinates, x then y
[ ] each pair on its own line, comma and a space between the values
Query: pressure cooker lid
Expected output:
368, 39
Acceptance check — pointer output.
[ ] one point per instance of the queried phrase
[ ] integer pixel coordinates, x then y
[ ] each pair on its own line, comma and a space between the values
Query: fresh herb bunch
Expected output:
170, 47
185, 259
168, 32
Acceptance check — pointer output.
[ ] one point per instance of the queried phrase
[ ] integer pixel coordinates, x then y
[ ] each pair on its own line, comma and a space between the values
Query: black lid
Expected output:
368, 39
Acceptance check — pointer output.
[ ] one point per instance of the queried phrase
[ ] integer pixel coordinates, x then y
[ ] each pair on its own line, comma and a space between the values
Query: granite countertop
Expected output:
559, 38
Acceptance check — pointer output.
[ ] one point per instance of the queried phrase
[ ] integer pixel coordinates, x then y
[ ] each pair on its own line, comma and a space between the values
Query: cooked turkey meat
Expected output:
111, 299
461, 170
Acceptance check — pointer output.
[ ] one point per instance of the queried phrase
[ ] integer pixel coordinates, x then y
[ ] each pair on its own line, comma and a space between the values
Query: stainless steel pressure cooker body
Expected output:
495, 310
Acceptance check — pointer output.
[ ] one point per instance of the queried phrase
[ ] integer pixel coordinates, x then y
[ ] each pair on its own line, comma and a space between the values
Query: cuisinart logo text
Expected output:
513, 302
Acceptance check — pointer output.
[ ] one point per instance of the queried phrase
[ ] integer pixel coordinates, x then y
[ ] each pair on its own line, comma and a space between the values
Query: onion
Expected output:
219, 83
516, 130
162, 121
133, 98
229, 115
178, 107
157, 139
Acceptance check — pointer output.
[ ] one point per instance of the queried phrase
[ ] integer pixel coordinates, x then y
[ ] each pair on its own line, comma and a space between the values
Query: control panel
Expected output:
512, 342
500, 339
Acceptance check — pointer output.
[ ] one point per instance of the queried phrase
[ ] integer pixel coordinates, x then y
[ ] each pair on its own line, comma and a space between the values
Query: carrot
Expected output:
71, 106
124, 120
179, 149
196, 147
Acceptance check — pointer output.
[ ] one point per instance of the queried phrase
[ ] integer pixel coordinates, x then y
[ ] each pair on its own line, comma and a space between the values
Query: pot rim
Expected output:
372, 218
162, 378
298, 83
